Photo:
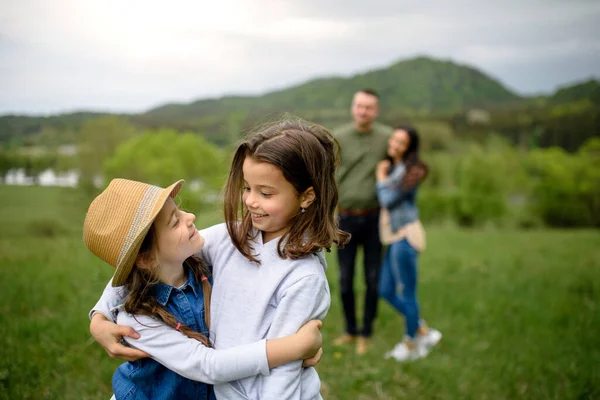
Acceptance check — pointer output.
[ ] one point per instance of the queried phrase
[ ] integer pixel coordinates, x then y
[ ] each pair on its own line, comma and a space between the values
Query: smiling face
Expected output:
271, 200
176, 235
398, 144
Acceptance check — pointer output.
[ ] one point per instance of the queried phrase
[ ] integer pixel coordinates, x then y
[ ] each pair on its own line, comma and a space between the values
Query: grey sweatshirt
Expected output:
251, 302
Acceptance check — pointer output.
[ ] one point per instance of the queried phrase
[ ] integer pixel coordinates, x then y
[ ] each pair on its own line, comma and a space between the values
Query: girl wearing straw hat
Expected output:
151, 243
267, 258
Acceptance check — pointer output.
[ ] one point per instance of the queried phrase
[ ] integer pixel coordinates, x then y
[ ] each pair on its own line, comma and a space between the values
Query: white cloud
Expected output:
504, 54
129, 55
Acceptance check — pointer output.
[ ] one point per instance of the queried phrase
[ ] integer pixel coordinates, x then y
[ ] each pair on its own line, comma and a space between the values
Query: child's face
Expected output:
176, 236
270, 198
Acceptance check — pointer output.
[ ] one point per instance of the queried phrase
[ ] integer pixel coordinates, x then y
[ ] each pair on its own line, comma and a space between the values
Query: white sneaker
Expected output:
401, 352
432, 338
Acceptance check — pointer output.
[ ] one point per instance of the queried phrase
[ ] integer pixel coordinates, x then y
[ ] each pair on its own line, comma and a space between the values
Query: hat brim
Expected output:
124, 268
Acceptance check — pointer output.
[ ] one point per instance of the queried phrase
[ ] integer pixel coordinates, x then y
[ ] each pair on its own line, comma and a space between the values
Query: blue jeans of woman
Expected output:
398, 283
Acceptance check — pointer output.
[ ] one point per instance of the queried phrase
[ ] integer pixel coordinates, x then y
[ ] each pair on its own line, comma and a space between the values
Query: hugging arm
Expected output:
390, 195
188, 357
306, 299
105, 332
392, 190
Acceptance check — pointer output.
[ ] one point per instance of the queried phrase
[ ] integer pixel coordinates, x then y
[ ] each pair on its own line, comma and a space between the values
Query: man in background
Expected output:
363, 144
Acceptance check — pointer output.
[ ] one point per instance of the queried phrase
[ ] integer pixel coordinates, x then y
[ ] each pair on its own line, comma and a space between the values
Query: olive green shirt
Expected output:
360, 153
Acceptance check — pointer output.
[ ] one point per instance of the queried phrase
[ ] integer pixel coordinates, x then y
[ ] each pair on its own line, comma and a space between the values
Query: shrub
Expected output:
566, 190
435, 205
481, 194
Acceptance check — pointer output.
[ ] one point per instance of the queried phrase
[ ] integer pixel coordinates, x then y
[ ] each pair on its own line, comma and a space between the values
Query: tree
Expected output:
164, 156
97, 141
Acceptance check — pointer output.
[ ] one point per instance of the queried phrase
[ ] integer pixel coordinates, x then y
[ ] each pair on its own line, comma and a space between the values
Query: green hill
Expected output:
587, 90
421, 87
422, 84
22, 128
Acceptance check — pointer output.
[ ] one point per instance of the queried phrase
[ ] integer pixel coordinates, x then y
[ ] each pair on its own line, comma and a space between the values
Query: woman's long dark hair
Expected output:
416, 170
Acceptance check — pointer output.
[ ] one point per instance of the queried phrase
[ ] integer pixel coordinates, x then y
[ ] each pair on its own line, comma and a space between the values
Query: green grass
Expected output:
519, 310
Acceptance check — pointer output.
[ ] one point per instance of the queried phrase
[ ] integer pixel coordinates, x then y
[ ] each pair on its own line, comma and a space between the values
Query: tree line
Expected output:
473, 181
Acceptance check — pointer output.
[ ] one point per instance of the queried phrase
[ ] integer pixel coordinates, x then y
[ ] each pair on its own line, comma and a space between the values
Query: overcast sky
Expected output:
130, 55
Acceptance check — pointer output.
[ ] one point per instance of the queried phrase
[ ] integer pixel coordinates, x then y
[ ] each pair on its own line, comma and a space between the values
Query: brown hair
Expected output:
369, 91
141, 282
307, 155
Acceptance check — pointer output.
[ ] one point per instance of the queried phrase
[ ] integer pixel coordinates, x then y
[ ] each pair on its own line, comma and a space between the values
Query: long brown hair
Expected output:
307, 155
142, 281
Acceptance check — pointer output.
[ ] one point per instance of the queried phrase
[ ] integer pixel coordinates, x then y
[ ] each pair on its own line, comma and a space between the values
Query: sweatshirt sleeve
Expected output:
307, 298
213, 236
190, 358
111, 298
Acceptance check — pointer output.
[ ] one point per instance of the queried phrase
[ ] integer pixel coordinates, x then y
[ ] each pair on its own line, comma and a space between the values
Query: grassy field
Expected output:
520, 313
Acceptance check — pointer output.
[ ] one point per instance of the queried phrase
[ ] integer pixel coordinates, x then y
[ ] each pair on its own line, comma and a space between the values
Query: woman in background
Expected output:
398, 177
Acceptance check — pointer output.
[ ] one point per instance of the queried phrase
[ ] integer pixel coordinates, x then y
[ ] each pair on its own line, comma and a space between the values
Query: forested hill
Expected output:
422, 86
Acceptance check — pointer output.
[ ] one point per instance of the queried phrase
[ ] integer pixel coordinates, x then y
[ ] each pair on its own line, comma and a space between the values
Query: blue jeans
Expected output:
398, 283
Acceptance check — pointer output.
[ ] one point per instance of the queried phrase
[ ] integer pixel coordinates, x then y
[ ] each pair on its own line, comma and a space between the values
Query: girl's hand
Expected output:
303, 345
310, 338
311, 362
383, 167
109, 334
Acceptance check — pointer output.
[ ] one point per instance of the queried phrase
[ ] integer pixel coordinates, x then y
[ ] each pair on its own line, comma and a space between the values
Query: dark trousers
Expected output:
365, 233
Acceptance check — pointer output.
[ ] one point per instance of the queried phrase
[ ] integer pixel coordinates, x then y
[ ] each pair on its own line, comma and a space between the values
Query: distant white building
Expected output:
65, 179
67, 150
18, 177
48, 177
478, 116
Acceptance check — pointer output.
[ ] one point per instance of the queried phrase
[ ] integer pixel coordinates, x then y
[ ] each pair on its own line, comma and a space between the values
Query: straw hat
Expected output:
119, 219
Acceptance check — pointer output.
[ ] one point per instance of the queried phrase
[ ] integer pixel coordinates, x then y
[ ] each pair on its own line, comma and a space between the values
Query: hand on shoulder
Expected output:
383, 167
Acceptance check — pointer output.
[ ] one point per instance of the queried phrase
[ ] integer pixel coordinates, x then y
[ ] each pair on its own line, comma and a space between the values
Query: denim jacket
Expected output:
146, 378
400, 203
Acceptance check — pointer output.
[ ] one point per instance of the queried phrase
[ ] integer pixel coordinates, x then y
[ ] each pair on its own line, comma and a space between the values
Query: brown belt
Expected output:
357, 212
